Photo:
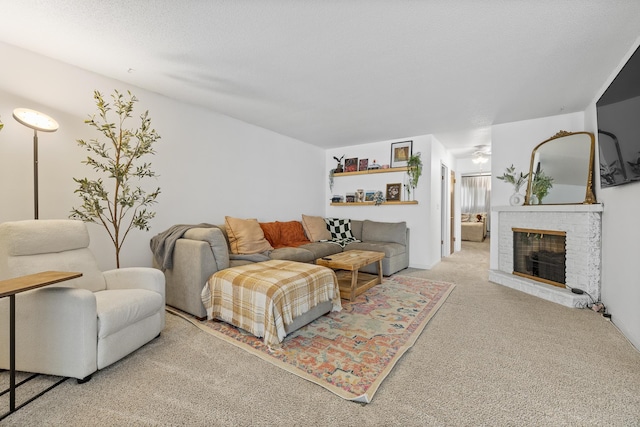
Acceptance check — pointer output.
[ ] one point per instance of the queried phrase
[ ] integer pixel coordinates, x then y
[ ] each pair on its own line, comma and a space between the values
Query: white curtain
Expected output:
476, 195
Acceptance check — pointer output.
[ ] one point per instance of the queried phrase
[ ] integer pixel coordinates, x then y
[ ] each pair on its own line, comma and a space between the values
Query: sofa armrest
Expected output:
217, 242
56, 332
196, 256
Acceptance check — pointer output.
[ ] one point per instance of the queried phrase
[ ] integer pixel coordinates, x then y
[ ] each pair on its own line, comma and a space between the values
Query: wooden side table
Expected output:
9, 288
355, 283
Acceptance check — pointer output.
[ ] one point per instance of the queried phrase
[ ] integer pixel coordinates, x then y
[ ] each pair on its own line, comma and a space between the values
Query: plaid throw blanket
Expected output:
262, 298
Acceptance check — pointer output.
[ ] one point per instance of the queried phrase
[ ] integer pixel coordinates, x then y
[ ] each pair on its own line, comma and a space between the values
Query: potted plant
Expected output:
125, 208
517, 180
337, 169
378, 198
414, 171
541, 185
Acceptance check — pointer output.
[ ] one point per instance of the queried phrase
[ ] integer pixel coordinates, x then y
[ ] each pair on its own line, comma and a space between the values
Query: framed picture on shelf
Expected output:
351, 165
350, 197
393, 192
363, 164
368, 195
400, 153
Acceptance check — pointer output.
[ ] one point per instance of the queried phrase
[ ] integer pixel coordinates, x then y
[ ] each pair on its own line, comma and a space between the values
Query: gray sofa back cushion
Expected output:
375, 231
356, 228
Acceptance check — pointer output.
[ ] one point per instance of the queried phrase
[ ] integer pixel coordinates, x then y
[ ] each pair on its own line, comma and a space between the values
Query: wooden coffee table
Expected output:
352, 285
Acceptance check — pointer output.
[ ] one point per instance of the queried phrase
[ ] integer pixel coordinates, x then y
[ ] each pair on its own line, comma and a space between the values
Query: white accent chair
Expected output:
74, 328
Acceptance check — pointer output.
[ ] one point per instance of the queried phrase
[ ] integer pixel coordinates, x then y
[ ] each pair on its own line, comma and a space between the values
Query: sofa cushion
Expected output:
292, 234
316, 228
292, 254
119, 308
271, 232
374, 231
246, 236
284, 234
356, 228
389, 249
322, 249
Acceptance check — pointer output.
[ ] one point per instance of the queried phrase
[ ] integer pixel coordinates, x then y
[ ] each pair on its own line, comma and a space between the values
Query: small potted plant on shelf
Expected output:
414, 171
338, 169
378, 198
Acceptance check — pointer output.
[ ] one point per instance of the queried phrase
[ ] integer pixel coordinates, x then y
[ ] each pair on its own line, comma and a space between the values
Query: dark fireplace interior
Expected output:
540, 255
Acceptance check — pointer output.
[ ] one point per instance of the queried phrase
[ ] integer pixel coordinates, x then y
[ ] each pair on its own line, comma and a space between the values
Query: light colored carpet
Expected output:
491, 356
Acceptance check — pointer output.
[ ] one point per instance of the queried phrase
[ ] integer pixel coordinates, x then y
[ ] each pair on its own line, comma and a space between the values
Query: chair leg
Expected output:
85, 379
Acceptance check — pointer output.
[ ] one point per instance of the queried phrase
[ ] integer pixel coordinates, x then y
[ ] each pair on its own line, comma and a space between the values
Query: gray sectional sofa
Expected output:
201, 251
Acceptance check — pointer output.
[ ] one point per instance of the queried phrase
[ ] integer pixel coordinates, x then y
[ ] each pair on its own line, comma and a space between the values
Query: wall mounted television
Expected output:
618, 111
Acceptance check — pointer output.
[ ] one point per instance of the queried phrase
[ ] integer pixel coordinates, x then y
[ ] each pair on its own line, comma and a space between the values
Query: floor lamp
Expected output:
38, 122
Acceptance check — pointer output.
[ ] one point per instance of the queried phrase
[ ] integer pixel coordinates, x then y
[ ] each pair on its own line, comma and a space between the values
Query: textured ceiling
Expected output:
335, 73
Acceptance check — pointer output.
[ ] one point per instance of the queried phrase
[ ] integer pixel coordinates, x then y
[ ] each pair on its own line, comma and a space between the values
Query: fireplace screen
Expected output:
540, 255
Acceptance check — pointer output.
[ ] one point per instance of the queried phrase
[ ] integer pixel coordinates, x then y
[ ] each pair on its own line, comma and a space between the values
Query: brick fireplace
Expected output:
580, 226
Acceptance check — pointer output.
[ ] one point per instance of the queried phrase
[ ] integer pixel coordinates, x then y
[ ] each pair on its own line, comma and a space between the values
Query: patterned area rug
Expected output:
352, 351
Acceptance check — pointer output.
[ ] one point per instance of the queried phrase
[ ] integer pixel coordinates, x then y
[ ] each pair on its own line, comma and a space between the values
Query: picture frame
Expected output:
351, 165
400, 153
363, 164
368, 195
350, 198
393, 192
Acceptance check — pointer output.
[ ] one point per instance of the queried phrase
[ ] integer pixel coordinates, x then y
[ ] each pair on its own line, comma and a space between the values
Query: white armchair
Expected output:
77, 327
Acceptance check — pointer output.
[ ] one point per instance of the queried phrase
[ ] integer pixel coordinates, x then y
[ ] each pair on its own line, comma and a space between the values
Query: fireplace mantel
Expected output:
582, 225
598, 207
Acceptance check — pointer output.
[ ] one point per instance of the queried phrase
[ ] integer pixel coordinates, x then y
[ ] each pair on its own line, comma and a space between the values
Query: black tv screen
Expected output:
618, 112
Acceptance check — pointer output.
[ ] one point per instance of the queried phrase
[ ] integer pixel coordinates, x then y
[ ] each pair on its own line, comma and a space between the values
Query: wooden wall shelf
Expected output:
370, 171
408, 202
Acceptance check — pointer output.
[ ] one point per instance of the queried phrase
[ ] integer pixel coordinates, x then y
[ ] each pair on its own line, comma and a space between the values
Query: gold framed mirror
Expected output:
561, 170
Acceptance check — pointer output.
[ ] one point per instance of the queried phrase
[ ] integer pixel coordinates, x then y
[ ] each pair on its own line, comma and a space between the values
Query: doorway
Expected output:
447, 237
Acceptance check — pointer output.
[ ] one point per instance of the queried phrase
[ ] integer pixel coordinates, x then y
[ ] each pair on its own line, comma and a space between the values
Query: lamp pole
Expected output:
35, 174
36, 121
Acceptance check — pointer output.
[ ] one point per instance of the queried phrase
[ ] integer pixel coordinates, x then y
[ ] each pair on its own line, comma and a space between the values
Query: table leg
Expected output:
354, 282
12, 353
379, 272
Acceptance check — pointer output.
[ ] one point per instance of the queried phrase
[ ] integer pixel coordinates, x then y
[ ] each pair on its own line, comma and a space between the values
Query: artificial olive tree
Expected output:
118, 202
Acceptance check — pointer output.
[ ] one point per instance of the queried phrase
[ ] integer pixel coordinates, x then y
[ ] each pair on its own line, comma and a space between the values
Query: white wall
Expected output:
620, 232
423, 219
209, 165
512, 144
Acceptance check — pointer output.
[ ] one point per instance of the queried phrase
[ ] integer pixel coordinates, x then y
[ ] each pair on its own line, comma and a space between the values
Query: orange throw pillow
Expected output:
272, 233
292, 234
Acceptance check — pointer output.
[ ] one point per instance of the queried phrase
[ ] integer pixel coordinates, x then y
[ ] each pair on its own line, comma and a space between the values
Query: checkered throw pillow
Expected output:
340, 230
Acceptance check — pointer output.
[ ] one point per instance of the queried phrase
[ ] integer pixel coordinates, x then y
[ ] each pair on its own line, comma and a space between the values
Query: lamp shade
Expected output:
35, 120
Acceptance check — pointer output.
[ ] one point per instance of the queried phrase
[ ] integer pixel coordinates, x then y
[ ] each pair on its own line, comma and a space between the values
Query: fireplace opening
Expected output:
540, 255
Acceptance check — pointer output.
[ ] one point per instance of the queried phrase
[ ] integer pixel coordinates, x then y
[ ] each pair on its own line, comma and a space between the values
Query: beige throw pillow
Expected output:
245, 236
316, 228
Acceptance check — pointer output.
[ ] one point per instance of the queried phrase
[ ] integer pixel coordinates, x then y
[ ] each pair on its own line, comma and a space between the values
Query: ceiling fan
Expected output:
481, 154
